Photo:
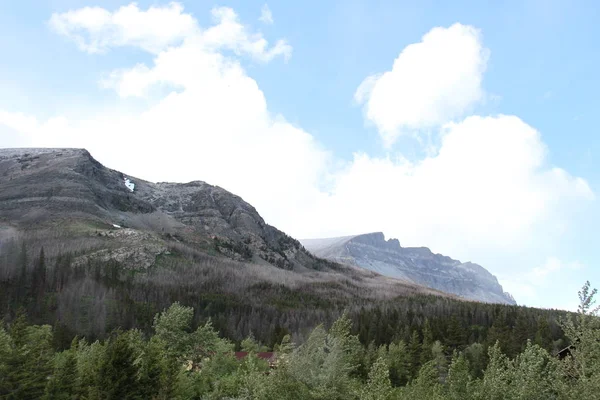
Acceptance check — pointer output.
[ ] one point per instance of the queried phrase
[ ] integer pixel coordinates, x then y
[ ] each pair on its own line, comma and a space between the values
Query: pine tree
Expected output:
497, 376
154, 376
118, 376
38, 283
425, 386
30, 364
63, 383
582, 367
6, 354
459, 379
399, 362
455, 334
414, 351
475, 355
22, 283
439, 359
534, 374
426, 354
543, 335
520, 335
378, 386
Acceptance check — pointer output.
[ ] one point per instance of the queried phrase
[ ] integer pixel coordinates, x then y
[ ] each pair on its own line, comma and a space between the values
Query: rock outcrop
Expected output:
413, 264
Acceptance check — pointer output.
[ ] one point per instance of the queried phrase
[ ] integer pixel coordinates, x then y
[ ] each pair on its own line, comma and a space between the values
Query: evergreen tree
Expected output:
426, 354
475, 355
425, 386
414, 351
118, 376
378, 386
29, 365
38, 283
543, 335
459, 380
497, 376
23, 262
519, 336
63, 382
399, 362
173, 326
582, 367
439, 359
455, 333
6, 354
534, 374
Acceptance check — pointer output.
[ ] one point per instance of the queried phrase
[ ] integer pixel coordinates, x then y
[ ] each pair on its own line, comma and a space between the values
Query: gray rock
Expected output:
50, 188
413, 264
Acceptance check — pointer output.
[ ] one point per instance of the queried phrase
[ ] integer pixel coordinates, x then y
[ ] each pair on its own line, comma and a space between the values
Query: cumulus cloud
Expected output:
486, 194
488, 188
95, 29
266, 16
212, 123
430, 83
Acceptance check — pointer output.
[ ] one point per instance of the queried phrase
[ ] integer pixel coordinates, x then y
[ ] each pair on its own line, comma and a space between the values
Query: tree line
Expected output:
177, 361
91, 300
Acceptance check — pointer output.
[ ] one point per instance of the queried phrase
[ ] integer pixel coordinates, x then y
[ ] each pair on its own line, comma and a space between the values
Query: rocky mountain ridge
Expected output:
413, 264
44, 188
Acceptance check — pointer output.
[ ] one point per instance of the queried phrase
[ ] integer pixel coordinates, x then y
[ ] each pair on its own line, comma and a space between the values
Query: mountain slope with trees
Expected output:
88, 252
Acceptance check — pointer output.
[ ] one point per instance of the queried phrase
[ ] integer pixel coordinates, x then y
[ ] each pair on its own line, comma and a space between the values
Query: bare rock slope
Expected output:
413, 264
51, 188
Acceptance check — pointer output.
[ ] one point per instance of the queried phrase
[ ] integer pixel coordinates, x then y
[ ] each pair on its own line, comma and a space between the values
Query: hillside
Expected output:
417, 265
129, 245
89, 250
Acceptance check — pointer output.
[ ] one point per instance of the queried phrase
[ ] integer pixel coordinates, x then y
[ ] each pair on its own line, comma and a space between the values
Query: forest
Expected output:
175, 361
91, 300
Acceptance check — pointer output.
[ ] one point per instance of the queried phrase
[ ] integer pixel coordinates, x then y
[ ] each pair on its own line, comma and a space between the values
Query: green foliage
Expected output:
378, 386
399, 362
30, 363
173, 326
61, 385
459, 380
182, 361
118, 374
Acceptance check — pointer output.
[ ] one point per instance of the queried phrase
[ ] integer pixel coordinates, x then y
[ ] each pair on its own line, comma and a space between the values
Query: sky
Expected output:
468, 128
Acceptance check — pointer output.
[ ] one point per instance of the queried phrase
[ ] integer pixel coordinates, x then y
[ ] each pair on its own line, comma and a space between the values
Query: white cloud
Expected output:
266, 16
486, 194
487, 189
431, 82
215, 126
553, 276
95, 29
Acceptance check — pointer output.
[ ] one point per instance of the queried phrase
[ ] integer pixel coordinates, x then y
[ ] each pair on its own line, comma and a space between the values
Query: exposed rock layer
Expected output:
413, 264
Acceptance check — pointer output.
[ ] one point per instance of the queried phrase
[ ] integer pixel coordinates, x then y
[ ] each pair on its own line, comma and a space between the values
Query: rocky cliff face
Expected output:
60, 188
413, 264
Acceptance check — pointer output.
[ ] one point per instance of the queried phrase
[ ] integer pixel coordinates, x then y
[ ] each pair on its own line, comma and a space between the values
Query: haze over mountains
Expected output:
412, 264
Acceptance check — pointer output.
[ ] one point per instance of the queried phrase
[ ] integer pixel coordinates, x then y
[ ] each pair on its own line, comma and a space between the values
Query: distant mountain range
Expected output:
412, 264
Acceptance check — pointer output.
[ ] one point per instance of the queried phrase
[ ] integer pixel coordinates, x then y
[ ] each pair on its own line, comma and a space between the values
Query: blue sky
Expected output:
480, 142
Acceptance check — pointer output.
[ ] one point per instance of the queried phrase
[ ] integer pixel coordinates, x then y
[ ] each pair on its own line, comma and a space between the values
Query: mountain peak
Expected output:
414, 264
377, 239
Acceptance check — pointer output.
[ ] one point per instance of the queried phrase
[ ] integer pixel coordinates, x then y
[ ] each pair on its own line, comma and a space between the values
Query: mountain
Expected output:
93, 249
412, 264
40, 188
